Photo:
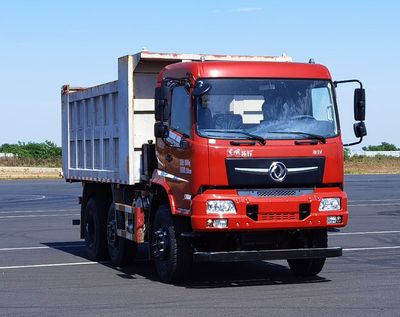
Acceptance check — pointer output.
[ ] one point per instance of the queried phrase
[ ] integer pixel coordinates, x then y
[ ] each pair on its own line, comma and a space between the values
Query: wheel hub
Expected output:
89, 232
112, 233
160, 243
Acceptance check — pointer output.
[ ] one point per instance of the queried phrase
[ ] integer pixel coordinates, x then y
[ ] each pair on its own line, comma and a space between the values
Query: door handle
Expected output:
168, 157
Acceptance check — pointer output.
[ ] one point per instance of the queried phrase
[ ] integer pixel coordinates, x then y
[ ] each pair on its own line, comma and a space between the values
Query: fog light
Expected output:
220, 223
329, 204
333, 219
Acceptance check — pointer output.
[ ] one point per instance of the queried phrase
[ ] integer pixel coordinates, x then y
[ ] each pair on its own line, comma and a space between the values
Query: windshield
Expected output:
267, 108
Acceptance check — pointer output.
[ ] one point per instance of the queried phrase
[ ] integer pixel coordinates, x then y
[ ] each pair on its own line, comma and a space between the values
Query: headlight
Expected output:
221, 207
328, 204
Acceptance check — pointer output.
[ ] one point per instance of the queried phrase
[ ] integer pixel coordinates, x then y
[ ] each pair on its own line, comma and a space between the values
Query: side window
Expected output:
322, 104
180, 111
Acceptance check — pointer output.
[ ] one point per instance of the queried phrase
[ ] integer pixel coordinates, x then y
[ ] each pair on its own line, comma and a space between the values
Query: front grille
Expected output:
279, 216
301, 172
275, 192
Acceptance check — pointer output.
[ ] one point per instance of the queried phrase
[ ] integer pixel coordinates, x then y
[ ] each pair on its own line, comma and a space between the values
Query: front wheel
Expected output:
306, 267
120, 250
310, 239
172, 253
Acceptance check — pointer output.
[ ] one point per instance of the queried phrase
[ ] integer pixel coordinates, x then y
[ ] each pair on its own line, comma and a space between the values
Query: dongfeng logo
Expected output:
277, 171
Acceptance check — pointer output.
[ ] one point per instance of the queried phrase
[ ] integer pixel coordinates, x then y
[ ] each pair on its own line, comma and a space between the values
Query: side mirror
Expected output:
360, 130
201, 89
359, 104
157, 106
161, 112
164, 89
161, 107
184, 144
359, 110
160, 130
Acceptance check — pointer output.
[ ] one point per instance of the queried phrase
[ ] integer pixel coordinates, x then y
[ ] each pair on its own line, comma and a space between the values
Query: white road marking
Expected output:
374, 202
36, 216
366, 200
362, 233
43, 247
35, 197
34, 211
368, 205
372, 248
107, 262
48, 265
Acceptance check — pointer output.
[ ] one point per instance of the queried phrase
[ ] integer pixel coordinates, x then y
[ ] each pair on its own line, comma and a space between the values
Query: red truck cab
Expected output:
220, 162
251, 153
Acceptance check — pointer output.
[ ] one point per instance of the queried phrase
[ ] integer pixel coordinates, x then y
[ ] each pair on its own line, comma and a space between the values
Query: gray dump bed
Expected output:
104, 127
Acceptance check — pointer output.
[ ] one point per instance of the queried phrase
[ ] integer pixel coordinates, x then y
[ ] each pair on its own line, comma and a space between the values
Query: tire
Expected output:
172, 254
120, 250
95, 231
309, 267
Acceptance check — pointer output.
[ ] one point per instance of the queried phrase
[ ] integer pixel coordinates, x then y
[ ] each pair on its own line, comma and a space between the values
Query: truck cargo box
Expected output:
104, 127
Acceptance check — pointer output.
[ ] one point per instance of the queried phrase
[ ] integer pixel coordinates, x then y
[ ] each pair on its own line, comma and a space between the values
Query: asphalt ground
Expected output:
44, 270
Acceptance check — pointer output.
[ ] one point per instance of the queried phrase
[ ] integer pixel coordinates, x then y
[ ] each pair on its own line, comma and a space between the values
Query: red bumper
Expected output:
274, 213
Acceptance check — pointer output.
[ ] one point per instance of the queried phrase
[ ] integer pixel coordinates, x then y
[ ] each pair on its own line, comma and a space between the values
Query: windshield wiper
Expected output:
309, 135
249, 135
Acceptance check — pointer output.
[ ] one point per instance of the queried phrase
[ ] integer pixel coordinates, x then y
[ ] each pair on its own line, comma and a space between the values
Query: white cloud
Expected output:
238, 10
247, 9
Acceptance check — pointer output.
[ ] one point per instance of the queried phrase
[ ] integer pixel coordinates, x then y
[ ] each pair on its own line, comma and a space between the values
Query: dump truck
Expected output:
209, 158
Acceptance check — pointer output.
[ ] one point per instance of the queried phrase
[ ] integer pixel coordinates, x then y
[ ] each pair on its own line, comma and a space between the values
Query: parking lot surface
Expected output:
44, 270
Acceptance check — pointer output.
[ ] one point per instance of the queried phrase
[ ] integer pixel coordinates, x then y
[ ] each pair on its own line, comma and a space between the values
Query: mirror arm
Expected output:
335, 83
354, 143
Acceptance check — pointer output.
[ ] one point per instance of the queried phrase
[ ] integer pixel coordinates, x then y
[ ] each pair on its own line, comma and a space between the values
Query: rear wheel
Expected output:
95, 230
310, 239
172, 254
120, 250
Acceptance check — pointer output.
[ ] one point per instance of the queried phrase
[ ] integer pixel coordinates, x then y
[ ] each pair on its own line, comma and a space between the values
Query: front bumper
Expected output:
274, 213
238, 256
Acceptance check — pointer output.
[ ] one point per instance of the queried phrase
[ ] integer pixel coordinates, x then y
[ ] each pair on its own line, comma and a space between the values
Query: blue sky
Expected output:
45, 44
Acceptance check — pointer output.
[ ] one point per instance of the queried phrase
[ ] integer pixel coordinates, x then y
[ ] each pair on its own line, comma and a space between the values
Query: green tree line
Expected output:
384, 146
46, 150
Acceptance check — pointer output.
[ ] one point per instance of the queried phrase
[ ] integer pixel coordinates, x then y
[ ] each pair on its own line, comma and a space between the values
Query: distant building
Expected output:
7, 155
375, 153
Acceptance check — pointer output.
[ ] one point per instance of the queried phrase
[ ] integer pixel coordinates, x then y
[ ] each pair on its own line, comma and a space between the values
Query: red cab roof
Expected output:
228, 69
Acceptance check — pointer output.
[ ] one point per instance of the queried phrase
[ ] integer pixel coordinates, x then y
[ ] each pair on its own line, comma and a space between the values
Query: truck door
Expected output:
178, 158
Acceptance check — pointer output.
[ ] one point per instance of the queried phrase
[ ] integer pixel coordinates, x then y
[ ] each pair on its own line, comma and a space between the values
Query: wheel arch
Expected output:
159, 197
161, 188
